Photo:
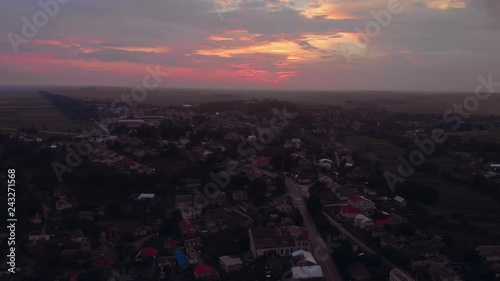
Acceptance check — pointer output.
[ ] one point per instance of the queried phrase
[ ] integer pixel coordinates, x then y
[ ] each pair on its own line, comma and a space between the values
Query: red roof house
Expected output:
349, 211
383, 222
203, 270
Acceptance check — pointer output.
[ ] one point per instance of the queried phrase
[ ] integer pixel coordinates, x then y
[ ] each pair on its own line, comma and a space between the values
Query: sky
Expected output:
402, 45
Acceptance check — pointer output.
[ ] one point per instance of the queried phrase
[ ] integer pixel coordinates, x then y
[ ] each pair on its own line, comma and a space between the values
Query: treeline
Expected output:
71, 108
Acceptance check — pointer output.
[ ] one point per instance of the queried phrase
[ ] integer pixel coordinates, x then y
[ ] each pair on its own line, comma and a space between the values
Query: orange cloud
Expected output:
219, 38
332, 11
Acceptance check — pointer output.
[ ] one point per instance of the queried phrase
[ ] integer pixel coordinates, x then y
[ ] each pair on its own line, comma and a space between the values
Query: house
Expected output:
399, 275
187, 228
282, 240
343, 193
181, 259
37, 219
369, 191
295, 143
389, 240
104, 258
311, 272
400, 201
358, 272
165, 261
35, 238
194, 242
303, 258
362, 221
396, 219
262, 162
86, 215
283, 204
230, 264
349, 211
489, 253
169, 243
361, 202
146, 196
183, 200
146, 253
383, 222
62, 204
375, 231
192, 256
216, 216
206, 272
443, 273
191, 213
425, 248
218, 199
240, 195
193, 184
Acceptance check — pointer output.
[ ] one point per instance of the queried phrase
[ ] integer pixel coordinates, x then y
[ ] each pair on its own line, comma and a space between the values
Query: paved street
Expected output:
318, 246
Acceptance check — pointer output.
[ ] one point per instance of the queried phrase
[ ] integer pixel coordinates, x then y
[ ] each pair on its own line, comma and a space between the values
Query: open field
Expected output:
484, 136
425, 103
383, 151
30, 110
479, 209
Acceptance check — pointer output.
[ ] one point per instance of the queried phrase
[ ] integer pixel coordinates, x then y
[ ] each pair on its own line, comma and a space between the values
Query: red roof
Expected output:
202, 270
170, 243
382, 222
350, 209
185, 224
149, 252
262, 161
354, 198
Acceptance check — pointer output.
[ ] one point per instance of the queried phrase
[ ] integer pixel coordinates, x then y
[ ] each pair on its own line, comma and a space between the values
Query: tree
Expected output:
314, 203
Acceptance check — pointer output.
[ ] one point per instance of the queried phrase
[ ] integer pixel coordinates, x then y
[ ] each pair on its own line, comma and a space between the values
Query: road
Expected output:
358, 242
46, 211
318, 246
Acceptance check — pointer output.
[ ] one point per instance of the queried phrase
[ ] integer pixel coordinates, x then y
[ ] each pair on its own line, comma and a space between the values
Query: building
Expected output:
230, 264
361, 202
282, 240
358, 272
349, 211
399, 275
191, 213
489, 253
305, 267
192, 256
400, 201
206, 272
283, 204
362, 221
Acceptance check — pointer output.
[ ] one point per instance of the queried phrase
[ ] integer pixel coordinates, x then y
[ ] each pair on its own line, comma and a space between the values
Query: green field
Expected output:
31, 110
484, 136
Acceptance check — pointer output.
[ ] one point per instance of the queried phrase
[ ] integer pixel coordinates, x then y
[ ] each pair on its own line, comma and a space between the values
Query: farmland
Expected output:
31, 110
483, 136
481, 210
401, 102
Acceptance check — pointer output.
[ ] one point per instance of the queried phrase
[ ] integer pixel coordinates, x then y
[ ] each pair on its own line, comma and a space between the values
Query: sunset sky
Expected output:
432, 45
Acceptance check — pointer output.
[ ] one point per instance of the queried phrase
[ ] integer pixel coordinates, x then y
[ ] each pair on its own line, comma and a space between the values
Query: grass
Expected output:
483, 136
30, 110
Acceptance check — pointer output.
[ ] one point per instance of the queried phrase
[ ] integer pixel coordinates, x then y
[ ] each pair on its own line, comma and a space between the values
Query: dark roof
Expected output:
273, 237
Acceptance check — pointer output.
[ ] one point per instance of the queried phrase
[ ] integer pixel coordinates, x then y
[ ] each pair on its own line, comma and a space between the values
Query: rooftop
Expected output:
273, 237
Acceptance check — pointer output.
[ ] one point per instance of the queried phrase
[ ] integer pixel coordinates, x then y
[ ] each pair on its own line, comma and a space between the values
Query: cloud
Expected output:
433, 44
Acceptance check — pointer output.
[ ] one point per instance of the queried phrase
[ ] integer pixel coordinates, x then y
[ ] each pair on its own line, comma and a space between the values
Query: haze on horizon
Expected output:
432, 45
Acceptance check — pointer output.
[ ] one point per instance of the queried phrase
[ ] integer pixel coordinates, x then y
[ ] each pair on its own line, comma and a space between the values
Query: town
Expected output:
257, 189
